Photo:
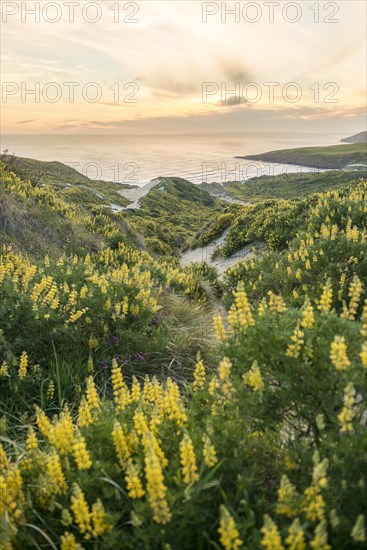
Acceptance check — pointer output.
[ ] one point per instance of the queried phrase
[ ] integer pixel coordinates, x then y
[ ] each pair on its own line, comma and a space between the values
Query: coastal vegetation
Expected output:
139, 409
327, 157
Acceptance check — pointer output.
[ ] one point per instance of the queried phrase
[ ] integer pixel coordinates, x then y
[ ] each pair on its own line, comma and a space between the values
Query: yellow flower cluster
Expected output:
91, 522
156, 488
188, 461
81, 454
253, 378
199, 375
338, 353
23, 364
228, 533
219, 328
91, 394
271, 537
297, 341
296, 536
209, 452
55, 474
12, 498
308, 317
133, 481
355, 293
326, 298
224, 373
347, 413
68, 542
240, 313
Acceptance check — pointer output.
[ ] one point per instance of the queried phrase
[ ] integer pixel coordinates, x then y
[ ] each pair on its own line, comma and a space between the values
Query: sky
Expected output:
172, 66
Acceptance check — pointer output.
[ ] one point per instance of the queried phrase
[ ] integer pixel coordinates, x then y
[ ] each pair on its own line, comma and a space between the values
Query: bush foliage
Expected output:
129, 422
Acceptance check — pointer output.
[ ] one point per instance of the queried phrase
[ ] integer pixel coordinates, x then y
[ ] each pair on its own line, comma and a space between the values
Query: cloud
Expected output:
234, 100
174, 52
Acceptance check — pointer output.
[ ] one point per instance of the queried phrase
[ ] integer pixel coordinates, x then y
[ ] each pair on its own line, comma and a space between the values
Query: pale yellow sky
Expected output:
167, 53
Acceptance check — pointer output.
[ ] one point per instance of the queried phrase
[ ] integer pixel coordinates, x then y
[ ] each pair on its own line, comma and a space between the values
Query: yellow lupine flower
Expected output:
308, 317
188, 461
121, 392
210, 455
294, 348
156, 488
140, 423
43, 423
326, 298
244, 312
320, 540
81, 454
99, 519
93, 342
314, 505
364, 319
23, 364
4, 369
276, 303
76, 315
85, 417
253, 378
287, 498
228, 533
62, 435
66, 517
91, 394
133, 481
12, 496
68, 542
199, 375
55, 474
363, 355
121, 445
82, 515
296, 536
135, 390
171, 405
271, 537
224, 372
355, 293
347, 413
219, 329
32, 442
338, 353
232, 316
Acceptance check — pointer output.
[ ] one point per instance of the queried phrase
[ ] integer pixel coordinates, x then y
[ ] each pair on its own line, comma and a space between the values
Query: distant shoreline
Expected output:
334, 157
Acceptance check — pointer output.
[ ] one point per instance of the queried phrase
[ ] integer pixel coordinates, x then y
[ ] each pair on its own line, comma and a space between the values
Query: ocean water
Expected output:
137, 160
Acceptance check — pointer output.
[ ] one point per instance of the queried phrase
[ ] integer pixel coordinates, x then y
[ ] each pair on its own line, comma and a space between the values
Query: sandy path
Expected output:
204, 254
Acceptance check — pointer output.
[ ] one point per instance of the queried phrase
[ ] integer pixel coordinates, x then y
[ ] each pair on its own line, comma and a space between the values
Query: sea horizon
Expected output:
139, 159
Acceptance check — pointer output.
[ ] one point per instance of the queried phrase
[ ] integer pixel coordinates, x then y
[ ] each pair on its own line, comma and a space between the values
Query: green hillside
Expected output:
283, 186
171, 213
167, 219
147, 405
70, 184
330, 157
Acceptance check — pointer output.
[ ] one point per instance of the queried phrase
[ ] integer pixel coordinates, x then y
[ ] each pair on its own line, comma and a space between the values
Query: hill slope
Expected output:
357, 138
330, 157
282, 186
164, 216
70, 184
125, 424
171, 213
